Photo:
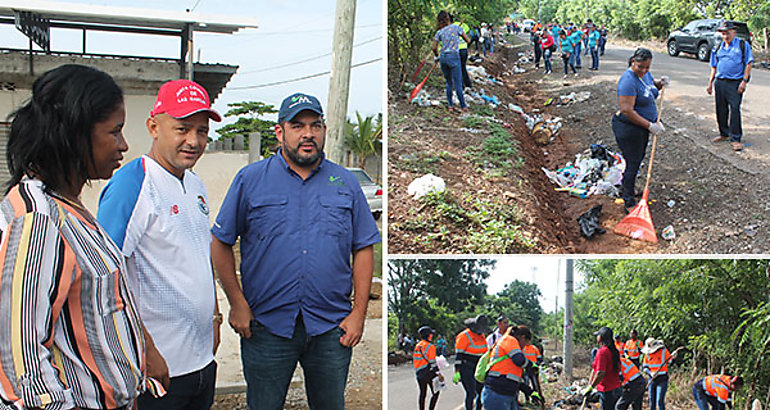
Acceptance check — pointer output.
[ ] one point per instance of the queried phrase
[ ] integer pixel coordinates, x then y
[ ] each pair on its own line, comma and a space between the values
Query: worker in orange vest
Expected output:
501, 386
531, 390
633, 384
633, 349
656, 360
714, 391
424, 359
470, 344
619, 344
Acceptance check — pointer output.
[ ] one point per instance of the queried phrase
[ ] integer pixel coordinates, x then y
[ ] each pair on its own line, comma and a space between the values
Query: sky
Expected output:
289, 32
545, 271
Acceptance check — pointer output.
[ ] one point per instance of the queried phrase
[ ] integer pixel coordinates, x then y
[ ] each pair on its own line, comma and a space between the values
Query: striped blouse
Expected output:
70, 334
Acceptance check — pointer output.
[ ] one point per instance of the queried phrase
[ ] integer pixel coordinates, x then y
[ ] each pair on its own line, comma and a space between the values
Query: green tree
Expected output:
364, 137
249, 113
519, 302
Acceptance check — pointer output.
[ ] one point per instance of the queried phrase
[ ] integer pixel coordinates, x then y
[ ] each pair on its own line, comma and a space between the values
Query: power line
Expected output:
275, 67
195, 5
307, 77
279, 33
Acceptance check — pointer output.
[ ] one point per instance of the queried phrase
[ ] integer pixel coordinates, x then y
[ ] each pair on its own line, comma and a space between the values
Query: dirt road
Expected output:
717, 202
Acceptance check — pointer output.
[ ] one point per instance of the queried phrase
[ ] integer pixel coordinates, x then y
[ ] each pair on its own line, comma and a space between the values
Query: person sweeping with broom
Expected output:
637, 117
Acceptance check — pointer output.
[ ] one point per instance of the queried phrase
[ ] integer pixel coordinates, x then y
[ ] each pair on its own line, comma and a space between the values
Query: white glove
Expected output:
665, 80
656, 128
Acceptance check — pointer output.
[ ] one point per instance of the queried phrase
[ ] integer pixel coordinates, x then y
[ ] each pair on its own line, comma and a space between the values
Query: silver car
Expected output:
372, 191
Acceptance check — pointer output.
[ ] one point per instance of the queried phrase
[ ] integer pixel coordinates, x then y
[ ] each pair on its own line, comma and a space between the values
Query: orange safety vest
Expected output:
619, 346
424, 355
628, 371
470, 343
655, 360
632, 350
717, 386
532, 353
507, 346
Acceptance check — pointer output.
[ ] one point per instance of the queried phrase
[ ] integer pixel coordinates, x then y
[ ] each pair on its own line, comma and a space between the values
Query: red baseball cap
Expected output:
183, 98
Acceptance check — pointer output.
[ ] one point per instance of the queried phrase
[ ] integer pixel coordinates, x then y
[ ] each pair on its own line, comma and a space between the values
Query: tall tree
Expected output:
249, 113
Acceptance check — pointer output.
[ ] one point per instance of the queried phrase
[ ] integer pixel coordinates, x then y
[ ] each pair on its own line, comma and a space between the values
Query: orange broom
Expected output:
638, 223
419, 86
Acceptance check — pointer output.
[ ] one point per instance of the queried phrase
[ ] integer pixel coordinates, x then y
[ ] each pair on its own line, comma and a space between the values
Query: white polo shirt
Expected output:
161, 224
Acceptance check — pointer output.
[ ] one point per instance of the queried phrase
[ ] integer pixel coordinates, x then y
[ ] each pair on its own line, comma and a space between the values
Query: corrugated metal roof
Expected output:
123, 16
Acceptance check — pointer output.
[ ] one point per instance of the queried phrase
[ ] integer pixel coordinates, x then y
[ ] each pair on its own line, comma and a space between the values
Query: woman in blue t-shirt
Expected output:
566, 53
449, 37
637, 117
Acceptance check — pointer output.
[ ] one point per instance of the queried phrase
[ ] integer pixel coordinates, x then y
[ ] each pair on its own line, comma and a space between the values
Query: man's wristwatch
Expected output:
746, 80
218, 318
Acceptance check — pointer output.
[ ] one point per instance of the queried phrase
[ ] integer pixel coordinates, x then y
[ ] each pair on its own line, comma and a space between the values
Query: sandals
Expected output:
737, 146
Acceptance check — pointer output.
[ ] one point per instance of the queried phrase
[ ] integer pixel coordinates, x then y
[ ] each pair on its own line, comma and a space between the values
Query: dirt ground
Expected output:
364, 388
706, 214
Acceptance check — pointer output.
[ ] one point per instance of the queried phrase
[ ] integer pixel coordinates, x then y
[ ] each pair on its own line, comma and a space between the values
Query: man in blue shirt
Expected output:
731, 66
299, 218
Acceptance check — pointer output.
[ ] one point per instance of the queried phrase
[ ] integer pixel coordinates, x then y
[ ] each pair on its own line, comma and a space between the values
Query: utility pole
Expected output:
339, 81
568, 325
558, 279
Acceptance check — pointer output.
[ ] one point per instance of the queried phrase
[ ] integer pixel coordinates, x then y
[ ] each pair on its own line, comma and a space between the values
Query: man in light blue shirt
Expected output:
731, 62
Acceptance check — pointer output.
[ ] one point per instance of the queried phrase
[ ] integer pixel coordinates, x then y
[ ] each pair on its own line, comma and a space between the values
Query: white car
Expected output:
372, 191
527, 25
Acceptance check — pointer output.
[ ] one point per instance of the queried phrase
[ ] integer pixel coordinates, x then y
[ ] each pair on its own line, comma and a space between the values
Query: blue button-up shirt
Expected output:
297, 237
727, 60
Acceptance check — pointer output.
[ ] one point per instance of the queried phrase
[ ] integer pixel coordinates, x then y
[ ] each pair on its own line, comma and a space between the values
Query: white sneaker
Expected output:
576, 74
565, 76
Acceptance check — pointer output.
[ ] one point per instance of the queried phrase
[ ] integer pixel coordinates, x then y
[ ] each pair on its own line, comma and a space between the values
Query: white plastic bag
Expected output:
425, 185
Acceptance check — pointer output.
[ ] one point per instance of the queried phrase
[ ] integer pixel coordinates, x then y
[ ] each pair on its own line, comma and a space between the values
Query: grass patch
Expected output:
422, 162
483, 110
498, 154
490, 226
474, 122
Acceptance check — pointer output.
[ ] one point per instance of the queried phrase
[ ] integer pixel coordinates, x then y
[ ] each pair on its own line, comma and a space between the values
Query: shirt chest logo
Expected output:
336, 181
202, 206
174, 210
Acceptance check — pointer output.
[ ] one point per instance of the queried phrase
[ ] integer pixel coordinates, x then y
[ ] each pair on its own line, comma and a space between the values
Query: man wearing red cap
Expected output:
300, 218
156, 210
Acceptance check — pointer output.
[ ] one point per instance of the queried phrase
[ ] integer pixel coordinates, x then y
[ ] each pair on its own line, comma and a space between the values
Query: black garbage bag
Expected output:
589, 222
600, 152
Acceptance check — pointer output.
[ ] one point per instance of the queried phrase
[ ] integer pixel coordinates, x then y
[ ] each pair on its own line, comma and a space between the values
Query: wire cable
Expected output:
307, 77
275, 67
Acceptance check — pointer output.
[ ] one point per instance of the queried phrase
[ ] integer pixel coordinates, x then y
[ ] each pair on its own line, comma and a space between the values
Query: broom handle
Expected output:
654, 141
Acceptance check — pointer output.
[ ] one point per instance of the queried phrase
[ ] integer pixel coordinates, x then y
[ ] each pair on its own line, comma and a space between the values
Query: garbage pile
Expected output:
552, 369
424, 99
574, 398
596, 171
573, 98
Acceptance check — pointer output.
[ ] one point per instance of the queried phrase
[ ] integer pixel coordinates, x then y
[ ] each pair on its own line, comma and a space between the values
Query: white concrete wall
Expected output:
216, 169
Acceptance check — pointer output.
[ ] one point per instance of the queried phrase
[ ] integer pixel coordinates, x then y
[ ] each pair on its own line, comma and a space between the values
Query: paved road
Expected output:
687, 93
402, 390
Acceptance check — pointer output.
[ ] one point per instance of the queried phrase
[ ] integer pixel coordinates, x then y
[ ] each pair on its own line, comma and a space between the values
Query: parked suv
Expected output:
699, 37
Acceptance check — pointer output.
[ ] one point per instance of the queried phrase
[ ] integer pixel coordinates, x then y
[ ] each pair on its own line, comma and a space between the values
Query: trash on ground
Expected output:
596, 171
671, 203
573, 97
589, 222
668, 233
424, 99
515, 108
424, 185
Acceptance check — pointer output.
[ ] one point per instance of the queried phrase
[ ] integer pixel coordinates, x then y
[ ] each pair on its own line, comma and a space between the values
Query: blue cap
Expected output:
296, 103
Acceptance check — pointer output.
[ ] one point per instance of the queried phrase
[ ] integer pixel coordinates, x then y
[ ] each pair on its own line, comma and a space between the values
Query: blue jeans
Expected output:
269, 362
497, 401
702, 400
608, 399
657, 392
450, 66
594, 57
186, 392
575, 57
547, 59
